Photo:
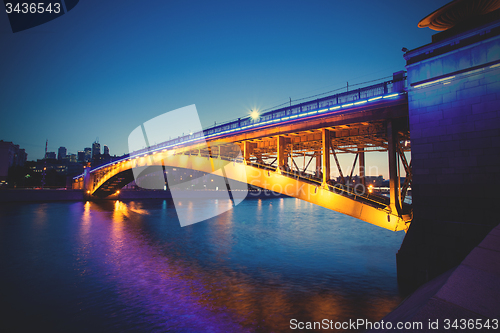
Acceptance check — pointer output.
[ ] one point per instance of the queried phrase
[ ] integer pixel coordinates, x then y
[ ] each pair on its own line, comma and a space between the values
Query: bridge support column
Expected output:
318, 163
361, 153
394, 184
88, 183
326, 143
213, 152
282, 156
247, 150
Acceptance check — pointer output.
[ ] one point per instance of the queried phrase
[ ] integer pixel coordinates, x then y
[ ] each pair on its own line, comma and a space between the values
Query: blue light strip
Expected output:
288, 118
391, 95
435, 81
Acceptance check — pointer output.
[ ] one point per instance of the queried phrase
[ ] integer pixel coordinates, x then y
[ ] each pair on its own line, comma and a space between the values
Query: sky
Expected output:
106, 67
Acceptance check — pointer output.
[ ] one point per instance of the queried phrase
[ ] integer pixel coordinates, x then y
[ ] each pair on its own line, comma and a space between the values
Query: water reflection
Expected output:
251, 269
41, 215
169, 288
85, 239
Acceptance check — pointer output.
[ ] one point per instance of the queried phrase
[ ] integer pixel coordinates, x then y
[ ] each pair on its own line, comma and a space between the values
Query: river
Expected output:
116, 266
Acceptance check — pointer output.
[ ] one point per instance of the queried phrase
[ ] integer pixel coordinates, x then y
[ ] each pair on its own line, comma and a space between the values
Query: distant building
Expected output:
65, 167
96, 148
50, 155
61, 153
10, 155
22, 157
88, 154
81, 157
106, 150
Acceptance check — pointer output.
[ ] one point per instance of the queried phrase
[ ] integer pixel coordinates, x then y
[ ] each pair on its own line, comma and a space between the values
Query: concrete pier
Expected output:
470, 292
454, 115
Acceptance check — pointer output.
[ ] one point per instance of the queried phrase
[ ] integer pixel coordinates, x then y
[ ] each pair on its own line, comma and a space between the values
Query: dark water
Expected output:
129, 266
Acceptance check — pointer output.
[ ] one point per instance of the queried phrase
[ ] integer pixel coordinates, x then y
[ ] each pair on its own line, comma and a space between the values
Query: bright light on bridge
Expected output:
254, 114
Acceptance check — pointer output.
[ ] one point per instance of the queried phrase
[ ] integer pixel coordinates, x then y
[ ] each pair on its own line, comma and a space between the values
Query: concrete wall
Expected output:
13, 195
29, 195
455, 138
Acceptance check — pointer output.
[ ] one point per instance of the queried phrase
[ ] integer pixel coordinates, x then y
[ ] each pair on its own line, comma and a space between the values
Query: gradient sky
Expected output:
107, 66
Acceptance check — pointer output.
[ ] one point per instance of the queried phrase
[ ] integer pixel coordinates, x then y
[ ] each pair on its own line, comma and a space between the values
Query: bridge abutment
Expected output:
454, 115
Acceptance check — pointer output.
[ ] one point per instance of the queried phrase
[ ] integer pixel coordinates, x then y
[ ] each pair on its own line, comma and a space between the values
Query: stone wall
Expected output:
454, 114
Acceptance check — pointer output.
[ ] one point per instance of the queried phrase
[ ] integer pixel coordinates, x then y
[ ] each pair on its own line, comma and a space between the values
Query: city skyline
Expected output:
62, 152
87, 75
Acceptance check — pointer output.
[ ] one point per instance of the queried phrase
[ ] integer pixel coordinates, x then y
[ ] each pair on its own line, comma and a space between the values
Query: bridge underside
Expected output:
269, 158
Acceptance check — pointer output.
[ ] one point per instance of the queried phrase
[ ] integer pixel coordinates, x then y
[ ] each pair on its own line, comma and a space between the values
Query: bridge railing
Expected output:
379, 89
375, 91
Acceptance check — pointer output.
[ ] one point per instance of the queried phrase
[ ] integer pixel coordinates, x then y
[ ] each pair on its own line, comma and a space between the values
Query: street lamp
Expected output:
254, 114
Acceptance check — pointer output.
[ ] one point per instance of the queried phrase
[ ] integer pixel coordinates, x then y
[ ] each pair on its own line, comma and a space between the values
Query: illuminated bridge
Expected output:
292, 150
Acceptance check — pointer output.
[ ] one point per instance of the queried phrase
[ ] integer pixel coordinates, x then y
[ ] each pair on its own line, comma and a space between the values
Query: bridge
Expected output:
270, 146
449, 100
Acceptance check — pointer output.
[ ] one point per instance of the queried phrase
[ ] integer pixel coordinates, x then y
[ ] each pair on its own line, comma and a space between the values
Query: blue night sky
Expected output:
107, 66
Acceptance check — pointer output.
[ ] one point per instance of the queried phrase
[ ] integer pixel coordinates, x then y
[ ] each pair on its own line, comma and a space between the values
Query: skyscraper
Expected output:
81, 157
106, 150
96, 148
88, 154
61, 153
50, 155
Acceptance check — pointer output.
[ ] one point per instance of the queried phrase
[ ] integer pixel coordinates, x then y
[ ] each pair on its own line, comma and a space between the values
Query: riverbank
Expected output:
465, 298
27, 195
47, 195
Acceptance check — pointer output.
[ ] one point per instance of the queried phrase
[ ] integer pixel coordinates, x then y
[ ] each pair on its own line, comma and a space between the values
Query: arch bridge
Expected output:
269, 149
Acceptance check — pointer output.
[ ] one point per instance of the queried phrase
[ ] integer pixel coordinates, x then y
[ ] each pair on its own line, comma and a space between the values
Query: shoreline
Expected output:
53, 195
